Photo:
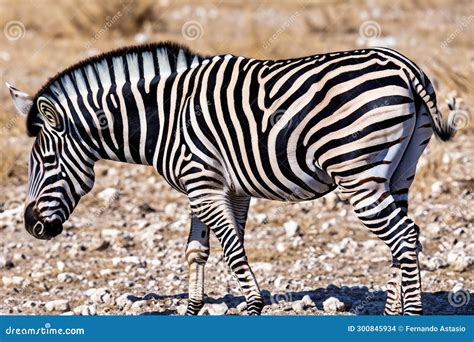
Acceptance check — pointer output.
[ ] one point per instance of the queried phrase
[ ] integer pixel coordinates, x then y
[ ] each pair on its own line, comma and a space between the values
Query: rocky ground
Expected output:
122, 252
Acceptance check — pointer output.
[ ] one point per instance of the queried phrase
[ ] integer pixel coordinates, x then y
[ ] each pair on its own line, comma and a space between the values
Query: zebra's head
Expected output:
61, 169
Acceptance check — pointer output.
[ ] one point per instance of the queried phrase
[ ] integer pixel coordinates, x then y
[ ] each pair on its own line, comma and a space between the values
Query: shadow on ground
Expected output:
360, 300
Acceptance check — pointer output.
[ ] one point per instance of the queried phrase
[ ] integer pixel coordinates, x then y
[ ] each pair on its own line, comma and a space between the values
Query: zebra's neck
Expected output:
124, 103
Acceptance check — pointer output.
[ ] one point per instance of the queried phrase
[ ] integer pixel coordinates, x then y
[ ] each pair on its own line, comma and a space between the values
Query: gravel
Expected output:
123, 257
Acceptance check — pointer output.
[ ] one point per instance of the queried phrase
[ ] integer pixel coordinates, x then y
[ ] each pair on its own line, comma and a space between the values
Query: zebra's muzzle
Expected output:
44, 230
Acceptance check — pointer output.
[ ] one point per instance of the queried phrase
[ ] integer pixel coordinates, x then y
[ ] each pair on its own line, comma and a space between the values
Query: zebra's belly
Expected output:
294, 188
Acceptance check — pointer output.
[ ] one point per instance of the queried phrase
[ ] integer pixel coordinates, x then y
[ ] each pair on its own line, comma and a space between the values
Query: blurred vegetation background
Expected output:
40, 38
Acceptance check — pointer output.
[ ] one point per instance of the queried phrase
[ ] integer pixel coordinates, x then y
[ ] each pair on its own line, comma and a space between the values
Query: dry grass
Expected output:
58, 34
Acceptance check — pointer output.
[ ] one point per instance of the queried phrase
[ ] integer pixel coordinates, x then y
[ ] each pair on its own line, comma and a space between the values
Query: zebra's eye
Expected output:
50, 159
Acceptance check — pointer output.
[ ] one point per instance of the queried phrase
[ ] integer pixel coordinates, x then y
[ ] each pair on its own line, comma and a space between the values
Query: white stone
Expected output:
333, 304
437, 188
435, 263
57, 305
459, 260
138, 305
60, 265
292, 228
90, 292
261, 218
108, 194
123, 301
101, 295
66, 277
110, 233
135, 260
242, 306
13, 281
307, 301
86, 310
181, 309
280, 247
298, 306
217, 309
457, 287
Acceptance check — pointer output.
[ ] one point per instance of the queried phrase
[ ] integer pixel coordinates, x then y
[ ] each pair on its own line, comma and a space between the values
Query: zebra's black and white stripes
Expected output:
223, 129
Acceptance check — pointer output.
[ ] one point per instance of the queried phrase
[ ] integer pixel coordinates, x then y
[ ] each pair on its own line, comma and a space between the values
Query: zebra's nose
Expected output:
31, 218
38, 228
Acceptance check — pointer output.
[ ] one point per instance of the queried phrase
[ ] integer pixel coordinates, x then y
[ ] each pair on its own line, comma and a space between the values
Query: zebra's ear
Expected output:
21, 100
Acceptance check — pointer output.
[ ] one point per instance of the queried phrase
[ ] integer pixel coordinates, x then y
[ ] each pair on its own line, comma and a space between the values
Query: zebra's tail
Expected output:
443, 129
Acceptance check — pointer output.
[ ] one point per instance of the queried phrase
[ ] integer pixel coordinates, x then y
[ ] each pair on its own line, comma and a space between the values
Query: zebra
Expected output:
223, 129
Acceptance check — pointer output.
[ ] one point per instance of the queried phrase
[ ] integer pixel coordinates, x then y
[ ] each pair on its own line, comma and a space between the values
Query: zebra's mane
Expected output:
172, 49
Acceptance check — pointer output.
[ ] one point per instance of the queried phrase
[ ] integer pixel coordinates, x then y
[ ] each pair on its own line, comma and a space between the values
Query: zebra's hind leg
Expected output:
214, 209
197, 253
379, 211
393, 305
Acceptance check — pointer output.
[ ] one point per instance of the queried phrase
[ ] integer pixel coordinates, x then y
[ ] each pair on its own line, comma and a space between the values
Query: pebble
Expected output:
333, 304
292, 228
126, 300
136, 306
6, 263
261, 218
181, 309
214, 309
298, 306
242, 306
457, 287
307, 301
437, 188
459, 260
110, 233
280, 247
57, 305
108, 194
13, 281
101, 295
135, 260
66, 277
60, 266
435, 263
86, 310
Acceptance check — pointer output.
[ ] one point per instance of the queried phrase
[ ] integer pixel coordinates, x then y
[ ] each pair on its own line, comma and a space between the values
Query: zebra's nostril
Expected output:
38, 229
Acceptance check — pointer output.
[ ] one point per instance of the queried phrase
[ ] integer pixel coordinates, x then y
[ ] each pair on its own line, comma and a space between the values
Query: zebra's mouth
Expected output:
41, 229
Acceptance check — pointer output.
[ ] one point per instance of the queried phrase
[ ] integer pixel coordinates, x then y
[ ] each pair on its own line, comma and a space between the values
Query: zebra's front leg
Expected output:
215, 210
197, 253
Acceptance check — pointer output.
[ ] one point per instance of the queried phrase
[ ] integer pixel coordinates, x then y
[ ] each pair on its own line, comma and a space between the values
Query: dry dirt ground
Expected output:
122, 252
